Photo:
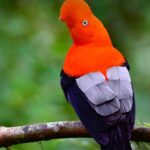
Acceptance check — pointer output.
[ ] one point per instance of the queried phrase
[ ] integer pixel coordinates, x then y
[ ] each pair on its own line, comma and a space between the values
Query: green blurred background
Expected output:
33, 44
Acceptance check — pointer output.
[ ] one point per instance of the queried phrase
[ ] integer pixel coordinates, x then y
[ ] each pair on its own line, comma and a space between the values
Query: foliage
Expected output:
33, 44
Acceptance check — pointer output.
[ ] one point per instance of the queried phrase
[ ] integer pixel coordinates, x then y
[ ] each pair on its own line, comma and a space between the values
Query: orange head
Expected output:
84, 27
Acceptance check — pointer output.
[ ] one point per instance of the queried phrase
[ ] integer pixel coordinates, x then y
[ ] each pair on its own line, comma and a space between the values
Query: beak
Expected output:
60, 18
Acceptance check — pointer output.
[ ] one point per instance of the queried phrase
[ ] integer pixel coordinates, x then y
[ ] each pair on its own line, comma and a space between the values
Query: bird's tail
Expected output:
119, 139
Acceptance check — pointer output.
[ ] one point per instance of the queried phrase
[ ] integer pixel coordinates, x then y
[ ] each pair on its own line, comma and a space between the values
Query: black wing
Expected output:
99, 126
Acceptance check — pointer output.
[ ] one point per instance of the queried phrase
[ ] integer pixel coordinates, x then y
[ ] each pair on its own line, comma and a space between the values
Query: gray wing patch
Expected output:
118, 73
120, 82
108, 108
100, 96
107, 97
126, 105
87, 81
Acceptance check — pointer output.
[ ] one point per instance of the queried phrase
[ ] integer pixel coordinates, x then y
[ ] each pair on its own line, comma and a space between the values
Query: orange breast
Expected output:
85, 59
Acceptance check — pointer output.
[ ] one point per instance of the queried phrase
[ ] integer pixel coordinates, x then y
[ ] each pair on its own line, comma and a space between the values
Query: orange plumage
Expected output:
92, 49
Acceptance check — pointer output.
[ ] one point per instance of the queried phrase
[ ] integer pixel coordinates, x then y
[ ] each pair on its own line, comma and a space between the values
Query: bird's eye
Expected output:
85, 22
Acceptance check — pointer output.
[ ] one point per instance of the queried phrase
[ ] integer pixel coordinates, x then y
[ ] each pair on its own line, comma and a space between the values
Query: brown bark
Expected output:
47, 131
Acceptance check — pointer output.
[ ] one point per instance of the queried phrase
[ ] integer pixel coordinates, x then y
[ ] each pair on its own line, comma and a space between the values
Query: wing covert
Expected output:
107, 97
100, 96
120, 82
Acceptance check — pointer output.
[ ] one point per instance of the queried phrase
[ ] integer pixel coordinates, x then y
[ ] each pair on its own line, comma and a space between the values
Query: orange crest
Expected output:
74, 8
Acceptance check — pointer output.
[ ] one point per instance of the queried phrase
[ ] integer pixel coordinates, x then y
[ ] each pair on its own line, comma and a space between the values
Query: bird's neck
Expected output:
102, 37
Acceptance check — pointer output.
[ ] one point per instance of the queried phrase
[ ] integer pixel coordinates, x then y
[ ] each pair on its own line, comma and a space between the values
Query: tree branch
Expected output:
47, 131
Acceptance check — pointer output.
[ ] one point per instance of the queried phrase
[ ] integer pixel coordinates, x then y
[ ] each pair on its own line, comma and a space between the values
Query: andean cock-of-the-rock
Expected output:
95, 79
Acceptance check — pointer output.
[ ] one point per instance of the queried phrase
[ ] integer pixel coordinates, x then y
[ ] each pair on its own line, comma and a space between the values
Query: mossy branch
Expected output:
55, 130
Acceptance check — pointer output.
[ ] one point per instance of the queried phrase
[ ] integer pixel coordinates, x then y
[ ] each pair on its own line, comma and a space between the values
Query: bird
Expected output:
95, 79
